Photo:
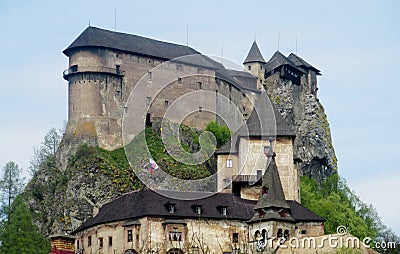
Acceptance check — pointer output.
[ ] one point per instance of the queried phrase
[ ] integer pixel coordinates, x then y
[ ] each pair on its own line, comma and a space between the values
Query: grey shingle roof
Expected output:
254, 55
138, 204
277, 60
97, 37
244, 74
301, 63
301, 213
273, 199
225, 75
147, 202
274, 196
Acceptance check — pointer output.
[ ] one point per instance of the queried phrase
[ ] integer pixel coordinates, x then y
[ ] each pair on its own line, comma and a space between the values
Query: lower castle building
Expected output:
149, 221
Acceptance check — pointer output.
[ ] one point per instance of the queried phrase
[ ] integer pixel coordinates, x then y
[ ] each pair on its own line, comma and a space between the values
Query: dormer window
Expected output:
223, 210
197, 209
171, 208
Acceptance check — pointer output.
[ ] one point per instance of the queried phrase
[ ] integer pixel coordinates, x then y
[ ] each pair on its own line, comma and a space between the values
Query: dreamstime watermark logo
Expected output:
336, 241
191, 90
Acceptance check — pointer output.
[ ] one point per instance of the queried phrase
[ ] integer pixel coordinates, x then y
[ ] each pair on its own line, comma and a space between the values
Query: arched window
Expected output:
257, 234
264, 234
279, 234
286, 234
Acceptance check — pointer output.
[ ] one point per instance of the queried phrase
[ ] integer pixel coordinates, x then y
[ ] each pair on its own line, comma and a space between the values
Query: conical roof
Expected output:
272, 204
254, 55
273, 195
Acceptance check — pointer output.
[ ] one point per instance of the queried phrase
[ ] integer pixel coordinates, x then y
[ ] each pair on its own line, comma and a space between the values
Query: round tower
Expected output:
96, 91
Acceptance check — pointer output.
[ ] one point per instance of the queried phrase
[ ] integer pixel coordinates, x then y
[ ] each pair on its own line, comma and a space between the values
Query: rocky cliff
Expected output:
314, 154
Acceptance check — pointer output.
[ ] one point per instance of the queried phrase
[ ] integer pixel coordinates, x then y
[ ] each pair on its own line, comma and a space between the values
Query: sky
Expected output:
354, 43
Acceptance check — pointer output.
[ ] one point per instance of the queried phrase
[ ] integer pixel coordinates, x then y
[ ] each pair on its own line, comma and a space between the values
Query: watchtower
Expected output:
255, 63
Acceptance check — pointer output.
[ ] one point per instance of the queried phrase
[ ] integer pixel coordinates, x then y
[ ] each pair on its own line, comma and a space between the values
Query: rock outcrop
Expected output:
314, 154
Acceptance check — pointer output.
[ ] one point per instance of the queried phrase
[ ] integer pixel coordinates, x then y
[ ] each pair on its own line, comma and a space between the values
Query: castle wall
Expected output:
307, 229
225, 173
102, 80
233, 106
154, 234
252, 158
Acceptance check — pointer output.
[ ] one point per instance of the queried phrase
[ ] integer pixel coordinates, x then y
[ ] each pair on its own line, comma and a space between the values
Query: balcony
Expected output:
75, 69
245, 178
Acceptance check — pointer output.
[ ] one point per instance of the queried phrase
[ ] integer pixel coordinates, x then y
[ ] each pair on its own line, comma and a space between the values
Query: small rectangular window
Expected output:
149, 75
171, 208
235, 237
101, 242
199, 85
229, 163
166, 104
77, 244
179, 80
249, 67
110, 241
223, 211
118, 69
197, 210
89, 241
129, 236
200, 109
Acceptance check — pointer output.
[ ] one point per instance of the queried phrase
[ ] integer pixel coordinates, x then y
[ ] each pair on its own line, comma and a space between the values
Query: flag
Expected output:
153, 165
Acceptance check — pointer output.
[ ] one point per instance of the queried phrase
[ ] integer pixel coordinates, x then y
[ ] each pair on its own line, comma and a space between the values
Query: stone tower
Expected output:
255, 63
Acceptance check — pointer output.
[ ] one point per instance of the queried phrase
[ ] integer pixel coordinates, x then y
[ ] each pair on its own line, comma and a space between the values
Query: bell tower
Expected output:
255, 63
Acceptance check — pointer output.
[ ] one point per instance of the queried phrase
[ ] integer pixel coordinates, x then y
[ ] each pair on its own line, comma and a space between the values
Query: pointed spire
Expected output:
271, 204
254, 55
271, 191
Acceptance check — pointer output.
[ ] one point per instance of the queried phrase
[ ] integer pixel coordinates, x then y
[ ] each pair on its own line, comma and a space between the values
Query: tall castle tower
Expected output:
255, 63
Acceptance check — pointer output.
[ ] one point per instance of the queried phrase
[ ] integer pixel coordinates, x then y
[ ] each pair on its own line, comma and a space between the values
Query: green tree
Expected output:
44, 154
11, 184
20, 235
222, 133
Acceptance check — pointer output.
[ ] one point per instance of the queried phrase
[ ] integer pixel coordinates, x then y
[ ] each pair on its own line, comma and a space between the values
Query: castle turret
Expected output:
255, 63
272, 218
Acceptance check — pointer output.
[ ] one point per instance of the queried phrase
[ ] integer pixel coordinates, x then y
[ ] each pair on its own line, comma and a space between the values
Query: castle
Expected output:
255, 203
